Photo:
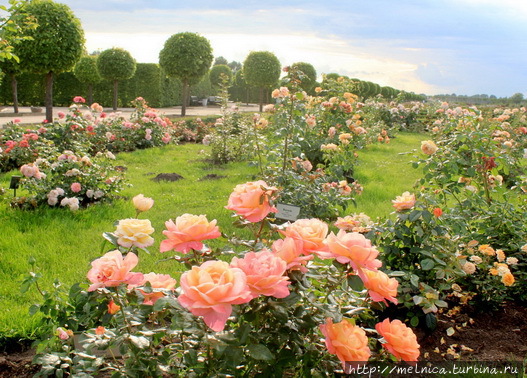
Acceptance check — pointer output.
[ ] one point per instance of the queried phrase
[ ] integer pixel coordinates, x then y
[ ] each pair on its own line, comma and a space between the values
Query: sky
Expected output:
466, 47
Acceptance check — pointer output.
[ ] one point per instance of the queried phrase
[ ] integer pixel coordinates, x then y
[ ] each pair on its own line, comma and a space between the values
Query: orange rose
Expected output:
188, 232
346, 340
507, 279
404, 202
354, 249
113, 308
211, 289
251, 200
265, 273
311, 232
400, 340
380, 286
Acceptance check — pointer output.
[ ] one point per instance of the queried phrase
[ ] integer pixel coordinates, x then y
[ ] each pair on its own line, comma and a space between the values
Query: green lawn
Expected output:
64, 242
385, 171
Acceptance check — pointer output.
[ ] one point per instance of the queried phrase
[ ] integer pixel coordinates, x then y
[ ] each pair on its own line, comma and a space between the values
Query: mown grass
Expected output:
64, 242
385, 171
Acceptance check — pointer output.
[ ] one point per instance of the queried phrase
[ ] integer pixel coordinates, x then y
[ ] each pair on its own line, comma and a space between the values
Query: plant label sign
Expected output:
287, 212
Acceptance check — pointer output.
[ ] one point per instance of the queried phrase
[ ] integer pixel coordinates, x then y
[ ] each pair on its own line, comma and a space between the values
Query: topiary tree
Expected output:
55, 45
220, 61
309, 77
14, 22
261, 69
86, 72
187, 57
116, 64
216, 73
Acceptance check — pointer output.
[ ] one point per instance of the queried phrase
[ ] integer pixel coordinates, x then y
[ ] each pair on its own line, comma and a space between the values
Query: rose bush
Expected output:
263, 311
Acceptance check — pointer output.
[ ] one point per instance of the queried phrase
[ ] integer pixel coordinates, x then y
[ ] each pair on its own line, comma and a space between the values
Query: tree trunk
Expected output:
185, 97
90, 94
49, 96
115, 85
261, 99
14, 87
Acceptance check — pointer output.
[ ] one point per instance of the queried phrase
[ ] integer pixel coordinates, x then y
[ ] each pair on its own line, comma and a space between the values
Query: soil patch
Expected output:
211, 176
167, 177
478, 336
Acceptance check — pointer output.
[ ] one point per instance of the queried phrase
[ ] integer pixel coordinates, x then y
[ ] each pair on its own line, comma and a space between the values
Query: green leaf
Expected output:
431, 321
260, 352
427, 264
414, 322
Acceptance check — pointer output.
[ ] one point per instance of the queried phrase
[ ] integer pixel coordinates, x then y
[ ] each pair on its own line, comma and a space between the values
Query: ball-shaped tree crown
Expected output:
116, 64
86, 70
57, 42
186, 56
309, 74
217, 72
261, 69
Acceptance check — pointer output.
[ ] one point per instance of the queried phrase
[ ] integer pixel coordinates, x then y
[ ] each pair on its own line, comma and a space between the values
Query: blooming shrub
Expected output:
262, 312
70, 180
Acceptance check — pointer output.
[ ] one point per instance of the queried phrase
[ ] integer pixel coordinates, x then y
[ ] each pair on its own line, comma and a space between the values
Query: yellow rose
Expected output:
134, 232
142, 203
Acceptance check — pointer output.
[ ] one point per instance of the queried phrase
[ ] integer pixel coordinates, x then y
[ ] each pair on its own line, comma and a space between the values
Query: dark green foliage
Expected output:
308, 77
216, 73
116, 64
56, 43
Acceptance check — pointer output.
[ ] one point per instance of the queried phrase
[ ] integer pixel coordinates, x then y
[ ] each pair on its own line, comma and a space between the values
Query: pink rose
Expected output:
31, 170
312, 232
188, 232
211, 289
79, 99
61, 115
252, 200
113, 270
354, 249
290, 250
75, 187
265, 273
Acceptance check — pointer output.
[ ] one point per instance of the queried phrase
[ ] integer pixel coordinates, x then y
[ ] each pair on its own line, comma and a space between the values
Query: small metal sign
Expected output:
287, 212
15, 182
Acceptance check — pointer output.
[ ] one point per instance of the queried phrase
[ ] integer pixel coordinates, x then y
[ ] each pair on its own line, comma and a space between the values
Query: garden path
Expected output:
27, 117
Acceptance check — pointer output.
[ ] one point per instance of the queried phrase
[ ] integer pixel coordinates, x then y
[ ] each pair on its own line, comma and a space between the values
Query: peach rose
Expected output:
112, 270
354, 249
265, 273
290, 250
142, 203
507, 279
428, 147
312, 233
380, 286
251, 200
404, 202
31, 170
134, 232
400, 340
188, 232
346, 340
211, 289
157, 281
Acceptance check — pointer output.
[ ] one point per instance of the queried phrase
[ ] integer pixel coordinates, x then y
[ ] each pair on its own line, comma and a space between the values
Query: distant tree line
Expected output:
481, 99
